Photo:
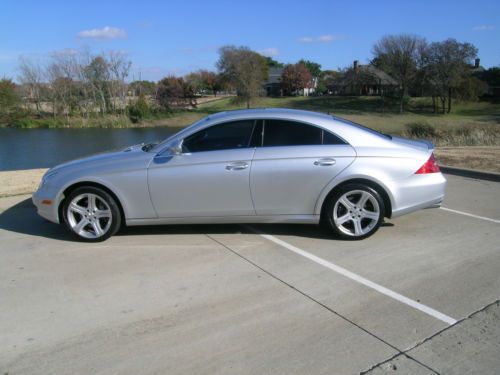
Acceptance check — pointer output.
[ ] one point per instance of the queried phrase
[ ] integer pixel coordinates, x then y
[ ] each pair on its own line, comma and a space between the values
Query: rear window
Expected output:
359, 126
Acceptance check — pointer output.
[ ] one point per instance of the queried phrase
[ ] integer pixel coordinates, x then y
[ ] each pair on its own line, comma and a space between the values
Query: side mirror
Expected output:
176, 148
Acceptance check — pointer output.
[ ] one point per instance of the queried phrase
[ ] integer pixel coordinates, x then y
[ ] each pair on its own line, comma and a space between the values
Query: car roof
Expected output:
356, 135
268, 112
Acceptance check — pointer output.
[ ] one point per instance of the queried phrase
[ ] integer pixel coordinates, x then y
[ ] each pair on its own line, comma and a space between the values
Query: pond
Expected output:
45, 148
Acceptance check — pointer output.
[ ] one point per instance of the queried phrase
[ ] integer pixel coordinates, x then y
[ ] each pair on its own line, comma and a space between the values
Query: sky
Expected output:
176, 37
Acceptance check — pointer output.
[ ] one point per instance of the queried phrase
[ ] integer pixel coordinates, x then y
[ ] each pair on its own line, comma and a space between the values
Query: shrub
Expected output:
420, 130
139, 110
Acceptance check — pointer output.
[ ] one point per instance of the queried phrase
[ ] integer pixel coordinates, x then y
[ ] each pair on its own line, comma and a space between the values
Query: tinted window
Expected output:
220, 137
331, 139
290, 133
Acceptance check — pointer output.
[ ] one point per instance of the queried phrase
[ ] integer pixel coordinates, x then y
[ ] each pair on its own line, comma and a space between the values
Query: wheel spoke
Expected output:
346, 202
102, 214
77, 209
97, 228
343, 219
370, 215
362, 200
80, 225
358, 229
91, 202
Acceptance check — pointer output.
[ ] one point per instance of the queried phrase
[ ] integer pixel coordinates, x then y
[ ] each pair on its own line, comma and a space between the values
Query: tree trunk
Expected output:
433, 104
443, 104
449, 100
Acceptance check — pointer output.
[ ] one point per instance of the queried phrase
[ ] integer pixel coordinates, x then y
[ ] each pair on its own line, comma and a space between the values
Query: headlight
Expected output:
46, 177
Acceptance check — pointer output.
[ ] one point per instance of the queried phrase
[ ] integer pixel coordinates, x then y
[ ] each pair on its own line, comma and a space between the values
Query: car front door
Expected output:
293, 165
209, 178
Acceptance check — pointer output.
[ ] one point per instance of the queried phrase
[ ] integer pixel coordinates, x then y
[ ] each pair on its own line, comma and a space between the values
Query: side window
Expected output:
332, 139
290, 133
224, 136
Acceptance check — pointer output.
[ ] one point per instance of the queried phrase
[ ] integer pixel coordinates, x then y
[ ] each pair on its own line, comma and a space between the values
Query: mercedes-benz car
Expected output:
248, 166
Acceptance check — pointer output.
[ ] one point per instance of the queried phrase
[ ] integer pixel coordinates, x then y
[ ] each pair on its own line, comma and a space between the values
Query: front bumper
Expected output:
48, 211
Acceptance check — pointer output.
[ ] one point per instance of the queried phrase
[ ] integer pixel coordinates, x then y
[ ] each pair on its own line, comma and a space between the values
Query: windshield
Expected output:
159, 146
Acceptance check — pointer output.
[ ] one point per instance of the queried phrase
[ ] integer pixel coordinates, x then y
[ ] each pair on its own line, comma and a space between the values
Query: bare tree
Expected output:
32, 75
97, 74
62, 75
448, 64
397, 55
244, 70
119, 69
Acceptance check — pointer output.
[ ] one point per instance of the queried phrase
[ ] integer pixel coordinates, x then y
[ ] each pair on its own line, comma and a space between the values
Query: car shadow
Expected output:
22, 218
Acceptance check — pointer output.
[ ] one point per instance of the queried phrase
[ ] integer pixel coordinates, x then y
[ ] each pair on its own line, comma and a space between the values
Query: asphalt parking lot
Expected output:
419, 297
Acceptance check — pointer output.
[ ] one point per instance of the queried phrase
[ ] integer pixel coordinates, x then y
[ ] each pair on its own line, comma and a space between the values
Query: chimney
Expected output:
476, 62
356, 65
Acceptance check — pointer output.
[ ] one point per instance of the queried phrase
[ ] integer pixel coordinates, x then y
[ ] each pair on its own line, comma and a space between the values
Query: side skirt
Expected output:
290, 219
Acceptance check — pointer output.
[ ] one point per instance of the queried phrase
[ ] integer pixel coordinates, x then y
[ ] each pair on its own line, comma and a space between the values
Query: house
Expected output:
273, 84
365, 80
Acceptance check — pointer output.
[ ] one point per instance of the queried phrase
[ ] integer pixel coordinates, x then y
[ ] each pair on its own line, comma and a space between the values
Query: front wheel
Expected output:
91, 214
354, 211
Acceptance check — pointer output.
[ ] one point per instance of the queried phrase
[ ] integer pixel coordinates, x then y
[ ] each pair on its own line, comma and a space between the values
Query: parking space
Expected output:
247, 299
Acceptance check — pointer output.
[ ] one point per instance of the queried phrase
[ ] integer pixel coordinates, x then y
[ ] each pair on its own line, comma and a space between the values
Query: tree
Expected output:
244, 70
142, 87
327, 81
272, 63
449, 64
97, 74
9, 99
397, 55
314, 68
491, 76
119, 69
174, 92
32, 76
295, 77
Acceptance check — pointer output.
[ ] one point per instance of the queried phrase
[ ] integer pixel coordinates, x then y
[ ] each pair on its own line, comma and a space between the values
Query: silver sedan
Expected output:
248, 166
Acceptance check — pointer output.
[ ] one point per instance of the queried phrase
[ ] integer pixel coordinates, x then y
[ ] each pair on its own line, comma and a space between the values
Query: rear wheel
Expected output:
91, 214
354, 211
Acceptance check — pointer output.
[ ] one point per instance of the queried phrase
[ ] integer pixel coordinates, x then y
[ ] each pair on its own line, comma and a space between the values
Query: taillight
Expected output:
430, 166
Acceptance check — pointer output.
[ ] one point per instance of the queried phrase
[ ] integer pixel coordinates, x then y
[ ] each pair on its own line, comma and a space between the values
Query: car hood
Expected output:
103, 159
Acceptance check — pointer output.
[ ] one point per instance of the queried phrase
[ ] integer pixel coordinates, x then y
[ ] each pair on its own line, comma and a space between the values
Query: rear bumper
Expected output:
418, 192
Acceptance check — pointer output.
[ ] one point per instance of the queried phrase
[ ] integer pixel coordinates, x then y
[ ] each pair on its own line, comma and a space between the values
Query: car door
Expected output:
209, 178
293, 165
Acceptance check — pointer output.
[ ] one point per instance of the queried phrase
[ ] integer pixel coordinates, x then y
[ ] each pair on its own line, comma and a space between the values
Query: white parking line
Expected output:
471, 215
370, 284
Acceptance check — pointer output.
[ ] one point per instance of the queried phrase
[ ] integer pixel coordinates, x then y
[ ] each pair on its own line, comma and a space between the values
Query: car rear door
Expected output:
293, 165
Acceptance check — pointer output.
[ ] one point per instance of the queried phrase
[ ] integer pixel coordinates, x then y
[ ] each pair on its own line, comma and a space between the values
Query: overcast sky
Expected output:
175, 37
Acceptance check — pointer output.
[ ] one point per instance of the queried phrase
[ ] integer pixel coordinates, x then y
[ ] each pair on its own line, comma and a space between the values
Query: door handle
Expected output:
238, 166
325, 162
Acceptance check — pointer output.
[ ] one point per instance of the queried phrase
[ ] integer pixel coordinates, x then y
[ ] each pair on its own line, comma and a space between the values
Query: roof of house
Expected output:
367, 74
274, 76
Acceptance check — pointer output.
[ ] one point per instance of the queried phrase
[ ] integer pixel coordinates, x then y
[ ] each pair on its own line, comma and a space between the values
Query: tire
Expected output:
91, 214
344, 216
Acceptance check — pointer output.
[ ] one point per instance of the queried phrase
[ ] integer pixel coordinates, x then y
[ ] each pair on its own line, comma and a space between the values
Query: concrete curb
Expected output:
471, 173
